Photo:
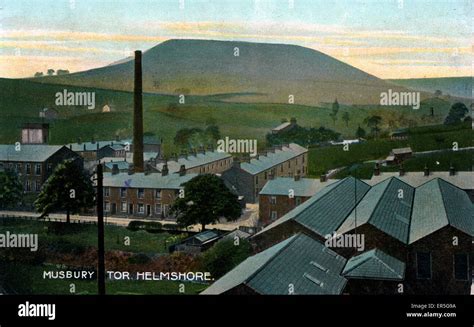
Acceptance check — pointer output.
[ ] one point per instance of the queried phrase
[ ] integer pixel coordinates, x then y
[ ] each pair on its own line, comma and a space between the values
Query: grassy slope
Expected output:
455, 86
22, 100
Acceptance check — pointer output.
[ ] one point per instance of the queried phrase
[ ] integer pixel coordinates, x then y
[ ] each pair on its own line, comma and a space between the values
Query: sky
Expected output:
386, 38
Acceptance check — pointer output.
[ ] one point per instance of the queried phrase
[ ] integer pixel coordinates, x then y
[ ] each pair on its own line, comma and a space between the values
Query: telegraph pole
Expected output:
100, 232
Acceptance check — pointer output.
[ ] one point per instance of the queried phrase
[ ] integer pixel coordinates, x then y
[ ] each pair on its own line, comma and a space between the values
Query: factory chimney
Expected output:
138, 115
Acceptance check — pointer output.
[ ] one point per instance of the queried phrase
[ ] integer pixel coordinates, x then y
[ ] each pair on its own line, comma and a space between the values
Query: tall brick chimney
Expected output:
138, 165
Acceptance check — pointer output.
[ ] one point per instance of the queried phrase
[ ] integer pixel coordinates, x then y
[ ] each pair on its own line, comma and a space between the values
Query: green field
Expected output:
22, 100
83, 236
420, 139
28, 280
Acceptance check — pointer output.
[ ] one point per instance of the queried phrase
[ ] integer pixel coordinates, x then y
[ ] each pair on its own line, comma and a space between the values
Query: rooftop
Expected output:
374, 264
304, 187
281, 126
141, 180
28, 152
272, 159
299, 260
192, 161
402, 150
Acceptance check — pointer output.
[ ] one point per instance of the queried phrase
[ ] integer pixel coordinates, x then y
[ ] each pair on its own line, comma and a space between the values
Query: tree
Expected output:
38, 74
10, 189
346, 118
67, 189
183, 136
212, 131
360, 133
50, 72
456, 113
335, 110
224, 256
62, 72
206, 200
373, 123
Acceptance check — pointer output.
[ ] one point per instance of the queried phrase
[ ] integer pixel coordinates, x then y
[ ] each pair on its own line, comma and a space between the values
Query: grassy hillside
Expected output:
22, 100
454, 86
261, 72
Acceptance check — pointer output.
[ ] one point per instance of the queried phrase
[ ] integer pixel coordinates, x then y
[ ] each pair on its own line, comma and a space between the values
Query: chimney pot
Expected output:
297, 176
426, 171
164, 170
452, 171
322, 178
377, 169
115, 169
401, 171
182, 170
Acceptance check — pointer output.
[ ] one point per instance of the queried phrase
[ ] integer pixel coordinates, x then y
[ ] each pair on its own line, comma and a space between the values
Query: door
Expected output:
114, 208
148, 210
130, 208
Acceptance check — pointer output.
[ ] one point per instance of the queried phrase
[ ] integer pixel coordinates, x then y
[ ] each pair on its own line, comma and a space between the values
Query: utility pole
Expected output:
100, 232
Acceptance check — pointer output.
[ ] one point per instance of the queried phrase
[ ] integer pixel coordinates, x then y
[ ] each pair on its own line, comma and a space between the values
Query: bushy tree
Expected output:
456, 114
360, 132
10, 189
67, 189
224, 256
373, 123
206, 200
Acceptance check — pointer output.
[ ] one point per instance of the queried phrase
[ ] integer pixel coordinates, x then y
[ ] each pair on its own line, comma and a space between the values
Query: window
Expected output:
289, 164
165, 210
273, 200
461, 266
106, 206
123, 206
141, 208
423, 265
18, 168
28, 186
28, 169
256, 180
158, 209
106, 191
38, 186
38, 169
141, 193
123, 192
265, 176
274, 215
281, 168
302, 158
158, 194
50, 168
298, 201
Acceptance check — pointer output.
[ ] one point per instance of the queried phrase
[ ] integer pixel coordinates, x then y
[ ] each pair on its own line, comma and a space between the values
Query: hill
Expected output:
454, 86
261, 72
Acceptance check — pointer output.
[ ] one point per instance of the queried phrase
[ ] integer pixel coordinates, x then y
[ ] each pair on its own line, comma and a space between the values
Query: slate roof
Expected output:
462, 179
140, 180
146, 156
383, 208
326, 211
271, 159
300, 260
304, 187
192, 161
28, 152
92, 146
437, 204
122, 165
374, 264
206, 236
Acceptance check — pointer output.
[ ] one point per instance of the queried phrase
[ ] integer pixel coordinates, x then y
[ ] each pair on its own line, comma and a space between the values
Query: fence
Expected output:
12, 217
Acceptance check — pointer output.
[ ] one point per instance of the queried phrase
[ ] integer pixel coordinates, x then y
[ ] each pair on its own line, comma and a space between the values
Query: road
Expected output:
248, 218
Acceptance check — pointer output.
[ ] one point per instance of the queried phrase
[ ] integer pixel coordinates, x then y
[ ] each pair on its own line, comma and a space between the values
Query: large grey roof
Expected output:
304, 187
300, 261
386, 206
28, 152
438, 204
374, 264
192, 161
462, 179
140, 180
272, 159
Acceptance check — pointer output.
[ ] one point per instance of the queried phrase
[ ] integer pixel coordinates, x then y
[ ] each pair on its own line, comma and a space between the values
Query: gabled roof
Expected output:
28, 152
271, 159
281, 126
438, 204
300, 261
140, 180
192, 161
374, 264
326, 211
303, 187
387, 206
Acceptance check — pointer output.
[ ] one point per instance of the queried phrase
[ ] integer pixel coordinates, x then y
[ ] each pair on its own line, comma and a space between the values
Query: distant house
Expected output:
283, 194
35, 133
398, 155
285, 126
248, 178
399, 134
34, 163
199, 162
197, 243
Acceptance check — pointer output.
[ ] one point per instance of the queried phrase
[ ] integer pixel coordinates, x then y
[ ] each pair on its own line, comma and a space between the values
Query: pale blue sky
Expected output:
390, 38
